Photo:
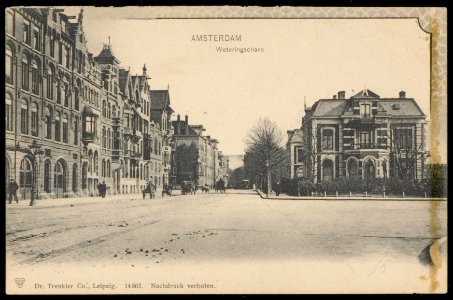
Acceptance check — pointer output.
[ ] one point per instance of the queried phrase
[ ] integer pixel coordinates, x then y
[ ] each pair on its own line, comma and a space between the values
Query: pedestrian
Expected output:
104, 189
99, 186
277, 188
12, 191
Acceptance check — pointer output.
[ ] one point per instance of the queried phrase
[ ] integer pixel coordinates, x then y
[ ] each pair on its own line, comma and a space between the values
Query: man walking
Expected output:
103, 189
12, 191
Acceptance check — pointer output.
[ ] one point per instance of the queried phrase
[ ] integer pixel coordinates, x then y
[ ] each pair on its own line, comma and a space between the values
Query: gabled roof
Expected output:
329, 108
296, 136
160, 100
366, 93
122, 80
107, 53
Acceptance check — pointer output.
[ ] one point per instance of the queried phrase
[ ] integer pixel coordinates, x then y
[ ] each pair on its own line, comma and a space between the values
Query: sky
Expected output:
307, 59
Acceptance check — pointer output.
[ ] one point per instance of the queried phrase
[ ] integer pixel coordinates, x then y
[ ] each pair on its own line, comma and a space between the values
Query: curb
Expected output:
343, 198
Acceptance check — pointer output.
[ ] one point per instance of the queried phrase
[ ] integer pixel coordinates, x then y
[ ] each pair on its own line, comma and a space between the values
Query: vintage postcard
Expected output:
225, 150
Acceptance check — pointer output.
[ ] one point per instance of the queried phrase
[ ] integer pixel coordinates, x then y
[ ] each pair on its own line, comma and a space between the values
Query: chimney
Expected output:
178, 125
334, 97
187, 125
341, 94
402, 94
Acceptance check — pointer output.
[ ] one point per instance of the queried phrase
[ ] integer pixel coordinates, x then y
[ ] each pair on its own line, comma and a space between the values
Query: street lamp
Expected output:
268, 178
35, 149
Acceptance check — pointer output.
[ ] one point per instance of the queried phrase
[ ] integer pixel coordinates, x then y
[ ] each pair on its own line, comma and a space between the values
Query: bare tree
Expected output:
264, 151
404, 152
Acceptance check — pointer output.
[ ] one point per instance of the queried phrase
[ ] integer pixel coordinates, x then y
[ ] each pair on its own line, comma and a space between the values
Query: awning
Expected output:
87, 110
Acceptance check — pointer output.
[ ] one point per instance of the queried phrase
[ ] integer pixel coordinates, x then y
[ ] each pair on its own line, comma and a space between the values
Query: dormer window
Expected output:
365, 110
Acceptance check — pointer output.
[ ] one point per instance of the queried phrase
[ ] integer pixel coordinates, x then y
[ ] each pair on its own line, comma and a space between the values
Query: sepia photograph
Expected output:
225, 150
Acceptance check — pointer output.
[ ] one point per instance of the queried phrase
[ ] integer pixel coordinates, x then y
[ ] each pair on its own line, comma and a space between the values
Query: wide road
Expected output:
236, 241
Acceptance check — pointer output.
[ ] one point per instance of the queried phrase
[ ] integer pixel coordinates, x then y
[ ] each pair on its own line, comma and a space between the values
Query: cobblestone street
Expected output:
268, 240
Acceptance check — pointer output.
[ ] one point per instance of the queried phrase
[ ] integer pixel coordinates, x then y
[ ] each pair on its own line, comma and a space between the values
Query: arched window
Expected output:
353, 167
327, 170
8, 113
65, 93
109, 138
50, 80
9, 65
34, 78
26, 173
114, 111
57, 126
76, 131
103, 168
104, 107
60, 178
96, 161
47, 176
76, 98
108, 168
109, 111
104, 137
74, 178
24, 117
90, 161
48, 122
25, 73
65, 129
34, 119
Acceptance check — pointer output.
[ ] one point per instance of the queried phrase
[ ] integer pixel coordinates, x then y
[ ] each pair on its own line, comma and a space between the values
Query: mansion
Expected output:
362, 136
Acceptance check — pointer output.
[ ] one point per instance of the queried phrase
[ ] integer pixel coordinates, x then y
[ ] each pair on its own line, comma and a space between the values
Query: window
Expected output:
50, 83
65, 94
403, 138
8, 113
57, 127
64, 55
34, 78
27, 32
65, 129
9, 22
90, 125
25, 71
104, 108
66, 64
52, 47
47, 178
60, 53
96, 163
76, 99
300, 154
327, 139
365, 111
365, 139
104, 142
9, 65
109, 138
24, 119
48, 123
76, 131
25, 173
37, 38
34, 120
109, 111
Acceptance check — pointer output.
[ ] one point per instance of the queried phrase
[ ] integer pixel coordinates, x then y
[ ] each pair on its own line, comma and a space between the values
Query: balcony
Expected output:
116, 155
88, 138
167, 167
365, 146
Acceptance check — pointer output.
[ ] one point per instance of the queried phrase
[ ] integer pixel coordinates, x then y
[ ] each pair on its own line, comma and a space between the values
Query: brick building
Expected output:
364, 136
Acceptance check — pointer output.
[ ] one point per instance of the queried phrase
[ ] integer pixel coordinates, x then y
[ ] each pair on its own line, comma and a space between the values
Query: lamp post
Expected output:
268, 178
35, 149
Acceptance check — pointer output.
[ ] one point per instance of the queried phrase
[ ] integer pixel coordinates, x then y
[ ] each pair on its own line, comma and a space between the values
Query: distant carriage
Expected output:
188, 187
167, 190
151, 190
205, 188
220, 186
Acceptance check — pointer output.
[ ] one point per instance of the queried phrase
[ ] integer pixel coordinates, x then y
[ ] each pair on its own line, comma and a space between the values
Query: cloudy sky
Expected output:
227, 92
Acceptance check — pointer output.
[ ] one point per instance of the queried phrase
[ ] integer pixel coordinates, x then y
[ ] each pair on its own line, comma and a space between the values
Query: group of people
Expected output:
102, 188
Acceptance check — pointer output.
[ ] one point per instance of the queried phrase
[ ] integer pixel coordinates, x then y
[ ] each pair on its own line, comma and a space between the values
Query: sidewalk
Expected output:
346, 198
76, 201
